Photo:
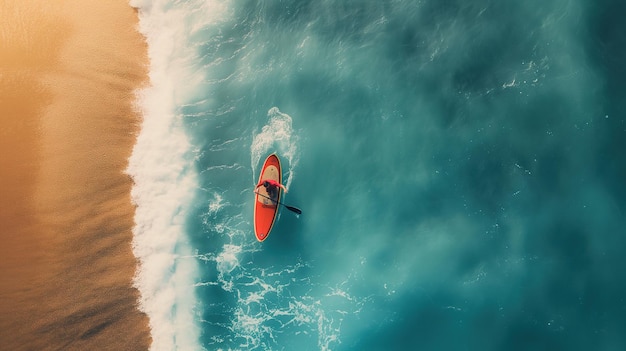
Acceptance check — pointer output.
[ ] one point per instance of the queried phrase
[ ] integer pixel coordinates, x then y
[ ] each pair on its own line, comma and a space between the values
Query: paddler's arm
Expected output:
256, 191
282, 186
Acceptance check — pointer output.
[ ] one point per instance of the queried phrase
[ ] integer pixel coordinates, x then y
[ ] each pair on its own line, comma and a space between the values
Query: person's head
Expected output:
266, 184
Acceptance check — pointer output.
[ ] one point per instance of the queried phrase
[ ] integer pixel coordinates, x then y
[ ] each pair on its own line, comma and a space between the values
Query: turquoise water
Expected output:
459, 165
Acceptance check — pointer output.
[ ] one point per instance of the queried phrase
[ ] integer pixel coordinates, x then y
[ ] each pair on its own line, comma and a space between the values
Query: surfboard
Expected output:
266, 210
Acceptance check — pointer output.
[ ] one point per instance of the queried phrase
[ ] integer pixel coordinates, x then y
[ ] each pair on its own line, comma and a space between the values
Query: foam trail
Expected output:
276, 135
165, 180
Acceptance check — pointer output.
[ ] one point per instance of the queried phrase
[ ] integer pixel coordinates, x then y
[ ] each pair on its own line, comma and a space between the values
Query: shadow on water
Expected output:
286, 235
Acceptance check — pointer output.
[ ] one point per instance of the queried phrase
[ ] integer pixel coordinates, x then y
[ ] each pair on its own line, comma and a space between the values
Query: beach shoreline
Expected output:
68, 77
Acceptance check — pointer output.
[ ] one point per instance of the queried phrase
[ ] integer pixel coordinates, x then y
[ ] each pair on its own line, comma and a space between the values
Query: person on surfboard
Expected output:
271, 186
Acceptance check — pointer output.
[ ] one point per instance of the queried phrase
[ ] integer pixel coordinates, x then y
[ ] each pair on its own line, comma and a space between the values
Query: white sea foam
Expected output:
266, 307
161, 166
227, 260
277, 135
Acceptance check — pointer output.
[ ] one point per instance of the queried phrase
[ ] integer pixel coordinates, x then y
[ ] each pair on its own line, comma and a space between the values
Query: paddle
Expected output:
290, 208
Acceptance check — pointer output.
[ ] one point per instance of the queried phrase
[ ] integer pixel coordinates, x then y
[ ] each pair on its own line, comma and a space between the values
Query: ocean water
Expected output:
459, 164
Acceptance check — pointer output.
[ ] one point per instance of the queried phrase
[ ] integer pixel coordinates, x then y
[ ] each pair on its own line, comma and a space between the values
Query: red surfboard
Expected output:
266, 210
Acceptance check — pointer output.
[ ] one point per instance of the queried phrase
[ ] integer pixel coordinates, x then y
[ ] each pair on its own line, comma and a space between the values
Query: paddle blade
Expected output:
294, 209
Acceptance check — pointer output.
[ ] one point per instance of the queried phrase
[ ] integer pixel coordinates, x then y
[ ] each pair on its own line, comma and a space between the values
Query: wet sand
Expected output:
68, 72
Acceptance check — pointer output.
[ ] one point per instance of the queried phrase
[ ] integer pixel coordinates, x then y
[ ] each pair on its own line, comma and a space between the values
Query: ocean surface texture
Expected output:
459, 164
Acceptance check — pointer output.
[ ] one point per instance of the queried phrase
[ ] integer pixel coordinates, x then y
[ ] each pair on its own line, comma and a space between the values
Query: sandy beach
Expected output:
68, 73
